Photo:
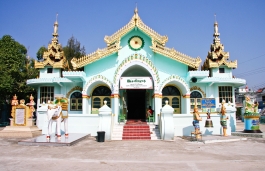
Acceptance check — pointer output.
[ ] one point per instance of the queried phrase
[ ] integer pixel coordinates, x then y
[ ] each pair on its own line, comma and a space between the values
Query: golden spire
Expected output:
55, 32
135, 10
136, 17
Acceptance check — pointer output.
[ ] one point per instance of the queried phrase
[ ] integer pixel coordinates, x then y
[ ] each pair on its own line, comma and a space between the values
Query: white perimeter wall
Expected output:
183, 124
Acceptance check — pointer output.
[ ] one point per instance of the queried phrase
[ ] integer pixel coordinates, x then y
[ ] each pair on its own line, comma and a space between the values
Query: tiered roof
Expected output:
217, 56
54, 56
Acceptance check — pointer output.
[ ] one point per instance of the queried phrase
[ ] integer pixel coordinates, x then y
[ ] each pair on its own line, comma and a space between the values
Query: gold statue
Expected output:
31, 105
196, 124
14, 101
223, 119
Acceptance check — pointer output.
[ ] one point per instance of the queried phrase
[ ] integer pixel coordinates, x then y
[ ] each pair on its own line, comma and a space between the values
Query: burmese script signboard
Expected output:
20, 116
208, 102
136, 83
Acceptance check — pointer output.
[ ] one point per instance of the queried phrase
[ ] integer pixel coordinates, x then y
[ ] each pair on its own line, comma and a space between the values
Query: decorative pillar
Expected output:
167, 122
86, 106
158, 105
105, 120
115, 106
186, 107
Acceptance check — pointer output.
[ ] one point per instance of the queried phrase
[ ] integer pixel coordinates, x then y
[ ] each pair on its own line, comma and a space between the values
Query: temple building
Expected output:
134, 71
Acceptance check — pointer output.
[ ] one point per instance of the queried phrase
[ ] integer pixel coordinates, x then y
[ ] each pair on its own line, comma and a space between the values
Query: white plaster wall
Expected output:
55, 73
183, 124
77, 123
227, 74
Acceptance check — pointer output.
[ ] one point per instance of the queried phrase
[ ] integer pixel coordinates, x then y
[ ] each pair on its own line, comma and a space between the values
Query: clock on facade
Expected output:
136, 43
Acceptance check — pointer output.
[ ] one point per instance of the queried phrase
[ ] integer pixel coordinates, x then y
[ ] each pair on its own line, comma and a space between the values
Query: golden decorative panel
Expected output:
199, 89
73, 89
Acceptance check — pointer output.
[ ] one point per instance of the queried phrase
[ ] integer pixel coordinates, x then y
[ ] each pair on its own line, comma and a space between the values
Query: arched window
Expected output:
99, 95
96, 102
172, 95
76, 101
195, 98
175, 102
170, 91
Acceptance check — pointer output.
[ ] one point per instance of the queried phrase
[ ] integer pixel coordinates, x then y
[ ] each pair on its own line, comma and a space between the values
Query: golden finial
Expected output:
136, 17
135, 10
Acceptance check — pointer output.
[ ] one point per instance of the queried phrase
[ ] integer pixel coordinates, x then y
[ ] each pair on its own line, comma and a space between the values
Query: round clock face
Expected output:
136, 43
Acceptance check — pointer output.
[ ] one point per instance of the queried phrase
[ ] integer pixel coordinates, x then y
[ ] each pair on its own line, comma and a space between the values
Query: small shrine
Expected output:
22, 123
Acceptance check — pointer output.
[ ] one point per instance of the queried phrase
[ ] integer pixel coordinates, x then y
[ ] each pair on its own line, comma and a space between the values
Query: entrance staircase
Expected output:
135, 130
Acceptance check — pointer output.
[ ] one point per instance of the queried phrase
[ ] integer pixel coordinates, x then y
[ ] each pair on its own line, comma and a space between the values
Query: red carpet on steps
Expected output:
136, 130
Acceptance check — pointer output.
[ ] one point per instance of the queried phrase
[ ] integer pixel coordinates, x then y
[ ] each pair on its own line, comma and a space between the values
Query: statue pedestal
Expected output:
30, 122
20, 131
251, 121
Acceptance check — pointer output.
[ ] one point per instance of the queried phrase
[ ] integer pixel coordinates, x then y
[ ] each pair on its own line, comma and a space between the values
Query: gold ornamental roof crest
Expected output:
135, 22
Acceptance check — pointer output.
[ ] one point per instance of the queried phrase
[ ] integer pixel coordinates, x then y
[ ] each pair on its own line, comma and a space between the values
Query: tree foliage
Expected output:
15, 70
40, 52
73, 49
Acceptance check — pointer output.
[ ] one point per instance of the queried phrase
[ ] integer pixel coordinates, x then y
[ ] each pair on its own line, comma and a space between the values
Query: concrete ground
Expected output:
180, 154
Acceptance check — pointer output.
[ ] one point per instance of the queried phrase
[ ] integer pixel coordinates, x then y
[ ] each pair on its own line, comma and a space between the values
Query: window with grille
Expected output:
49, 70
195, 98
225, 93
221, 70
76, 101
172, 95
99, 95
46, 93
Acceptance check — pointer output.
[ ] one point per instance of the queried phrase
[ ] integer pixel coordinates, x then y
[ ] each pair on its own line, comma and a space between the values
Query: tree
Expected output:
40, 52
73, 49
15, 69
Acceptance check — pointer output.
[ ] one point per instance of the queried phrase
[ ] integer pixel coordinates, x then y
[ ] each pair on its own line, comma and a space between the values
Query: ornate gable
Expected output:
136, 22
54, 56
217, 56
158, 45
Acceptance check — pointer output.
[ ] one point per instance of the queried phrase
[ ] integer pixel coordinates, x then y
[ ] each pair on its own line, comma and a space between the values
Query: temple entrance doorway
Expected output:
136, 104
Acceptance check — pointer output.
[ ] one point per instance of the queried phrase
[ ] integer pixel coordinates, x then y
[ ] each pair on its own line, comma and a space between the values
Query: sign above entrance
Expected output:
136, 83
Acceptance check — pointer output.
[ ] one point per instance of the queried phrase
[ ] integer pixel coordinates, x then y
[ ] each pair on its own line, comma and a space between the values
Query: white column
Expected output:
186, 105
85, 104
158, 106
116, 106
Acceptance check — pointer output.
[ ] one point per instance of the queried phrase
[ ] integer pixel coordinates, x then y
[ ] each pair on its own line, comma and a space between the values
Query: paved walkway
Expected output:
135, 155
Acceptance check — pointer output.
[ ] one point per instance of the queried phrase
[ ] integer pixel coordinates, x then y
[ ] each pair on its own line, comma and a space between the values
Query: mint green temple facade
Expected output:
135, 52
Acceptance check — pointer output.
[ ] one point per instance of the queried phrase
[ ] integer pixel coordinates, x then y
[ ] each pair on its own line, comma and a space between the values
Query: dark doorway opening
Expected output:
136, 104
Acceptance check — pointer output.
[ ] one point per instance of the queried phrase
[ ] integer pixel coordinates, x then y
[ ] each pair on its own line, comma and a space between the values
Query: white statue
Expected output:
54, 114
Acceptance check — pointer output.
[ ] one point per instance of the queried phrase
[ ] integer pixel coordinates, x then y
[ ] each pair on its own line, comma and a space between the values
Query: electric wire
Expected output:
251, 59
251, 72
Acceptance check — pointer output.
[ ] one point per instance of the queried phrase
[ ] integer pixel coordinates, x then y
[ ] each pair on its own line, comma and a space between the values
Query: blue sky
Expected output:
187, 23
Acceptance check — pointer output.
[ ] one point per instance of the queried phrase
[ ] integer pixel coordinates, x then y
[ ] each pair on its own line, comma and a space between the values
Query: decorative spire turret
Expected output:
217, 56
55, 55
